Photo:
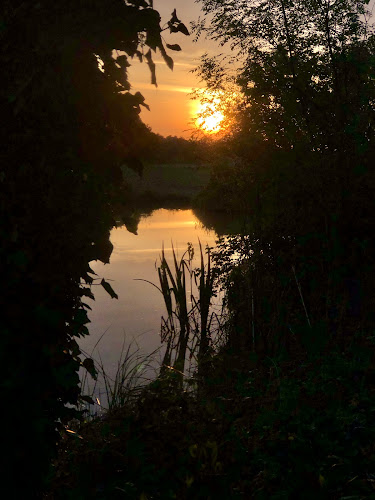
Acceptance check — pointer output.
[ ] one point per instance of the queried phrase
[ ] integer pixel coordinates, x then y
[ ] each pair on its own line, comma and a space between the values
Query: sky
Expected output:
171, 109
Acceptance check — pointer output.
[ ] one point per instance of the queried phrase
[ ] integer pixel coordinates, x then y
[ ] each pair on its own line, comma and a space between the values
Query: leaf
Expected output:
168, 60
193, 450
87, 293
87, 399
145, 105
139, 3
189, 481
183, 29
150, 22
73, 432
151, 65
140, 100
80, 317
174, 47
89, 270
88, 279
166, 57
123, 61
74, 348
174, 18
138, 97
81, 331
107, 287
88, 363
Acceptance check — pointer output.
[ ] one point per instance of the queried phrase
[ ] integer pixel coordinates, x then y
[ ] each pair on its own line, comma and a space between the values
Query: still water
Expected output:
137, 312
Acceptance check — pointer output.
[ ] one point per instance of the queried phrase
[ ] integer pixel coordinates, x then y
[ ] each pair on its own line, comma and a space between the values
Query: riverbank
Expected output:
262, 428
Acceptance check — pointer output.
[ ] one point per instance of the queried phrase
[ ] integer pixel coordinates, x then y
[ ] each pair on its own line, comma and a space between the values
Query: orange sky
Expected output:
171, 108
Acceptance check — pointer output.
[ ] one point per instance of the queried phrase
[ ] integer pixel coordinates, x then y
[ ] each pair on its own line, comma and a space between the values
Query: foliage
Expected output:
190, 325
173, 150
306, 70
269, 429
131, 376
297, 280
287, 403
69, 122
306, 99
297, 165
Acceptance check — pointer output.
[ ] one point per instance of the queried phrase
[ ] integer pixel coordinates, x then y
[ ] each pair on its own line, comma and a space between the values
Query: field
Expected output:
168, 180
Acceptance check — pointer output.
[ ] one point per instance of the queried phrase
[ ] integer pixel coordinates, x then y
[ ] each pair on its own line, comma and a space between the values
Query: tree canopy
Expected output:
307, 68
70, 119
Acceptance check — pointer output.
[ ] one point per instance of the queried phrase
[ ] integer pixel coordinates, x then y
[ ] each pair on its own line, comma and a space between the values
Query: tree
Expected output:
301, 164
69, 121
307, 67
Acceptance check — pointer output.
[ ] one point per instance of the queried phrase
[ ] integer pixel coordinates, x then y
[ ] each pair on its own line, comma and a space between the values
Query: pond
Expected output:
136, 315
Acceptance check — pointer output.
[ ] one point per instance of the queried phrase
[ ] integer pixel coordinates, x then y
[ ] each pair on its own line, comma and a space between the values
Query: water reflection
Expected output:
137, 312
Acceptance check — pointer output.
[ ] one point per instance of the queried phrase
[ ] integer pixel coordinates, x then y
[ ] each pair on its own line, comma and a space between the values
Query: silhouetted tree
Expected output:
69, 120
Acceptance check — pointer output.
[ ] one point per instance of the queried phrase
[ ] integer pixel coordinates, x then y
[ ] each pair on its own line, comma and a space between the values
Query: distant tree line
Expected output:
172, 149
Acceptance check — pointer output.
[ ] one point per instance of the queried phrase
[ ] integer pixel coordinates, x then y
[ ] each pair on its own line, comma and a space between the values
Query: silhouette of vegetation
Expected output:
131, 376
69, 121
172, 150
284, 407
190, 326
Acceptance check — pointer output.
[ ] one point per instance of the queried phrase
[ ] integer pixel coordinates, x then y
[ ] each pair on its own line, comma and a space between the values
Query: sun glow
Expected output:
209, 116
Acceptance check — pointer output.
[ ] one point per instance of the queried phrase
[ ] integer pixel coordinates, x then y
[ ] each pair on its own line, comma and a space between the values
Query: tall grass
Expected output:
131, 376
190, 327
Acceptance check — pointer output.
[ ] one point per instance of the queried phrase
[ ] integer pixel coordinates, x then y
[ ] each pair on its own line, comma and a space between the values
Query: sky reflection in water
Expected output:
137, 312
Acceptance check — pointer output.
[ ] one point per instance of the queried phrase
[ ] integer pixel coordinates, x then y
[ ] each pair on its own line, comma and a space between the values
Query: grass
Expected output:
267, 426
131, 376
168, 180
190, 326
279, 430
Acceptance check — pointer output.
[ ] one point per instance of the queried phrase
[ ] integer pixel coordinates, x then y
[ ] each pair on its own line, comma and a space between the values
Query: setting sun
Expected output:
209, 117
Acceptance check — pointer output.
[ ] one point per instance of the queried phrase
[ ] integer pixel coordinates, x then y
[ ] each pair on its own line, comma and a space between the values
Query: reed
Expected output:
187, 329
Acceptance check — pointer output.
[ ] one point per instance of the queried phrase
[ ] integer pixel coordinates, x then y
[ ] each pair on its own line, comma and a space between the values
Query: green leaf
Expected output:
107, 287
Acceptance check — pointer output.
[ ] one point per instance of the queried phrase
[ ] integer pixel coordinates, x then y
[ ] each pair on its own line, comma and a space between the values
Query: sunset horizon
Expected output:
172, 110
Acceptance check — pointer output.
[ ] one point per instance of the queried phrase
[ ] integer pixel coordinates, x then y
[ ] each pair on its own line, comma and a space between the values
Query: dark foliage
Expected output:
286, 407
171, 149
69, 121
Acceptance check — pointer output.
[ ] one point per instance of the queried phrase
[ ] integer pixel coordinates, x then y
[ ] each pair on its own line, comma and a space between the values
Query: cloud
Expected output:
185, 65
162, 87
